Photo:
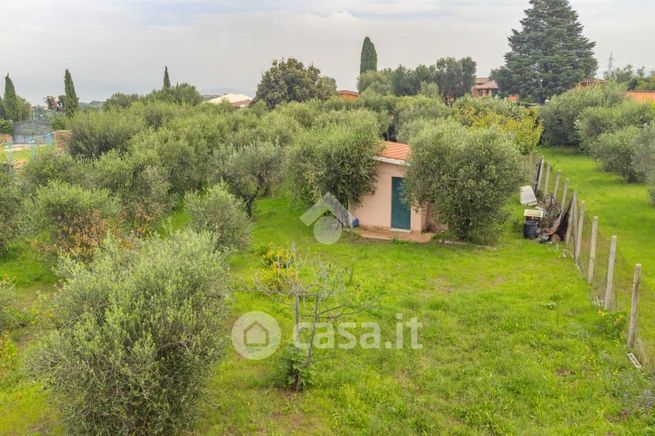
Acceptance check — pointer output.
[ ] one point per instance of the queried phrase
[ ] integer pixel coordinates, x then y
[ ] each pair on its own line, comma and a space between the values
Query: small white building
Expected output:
236, 100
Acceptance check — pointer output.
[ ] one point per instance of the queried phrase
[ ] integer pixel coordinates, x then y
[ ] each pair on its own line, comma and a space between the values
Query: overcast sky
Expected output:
224, 46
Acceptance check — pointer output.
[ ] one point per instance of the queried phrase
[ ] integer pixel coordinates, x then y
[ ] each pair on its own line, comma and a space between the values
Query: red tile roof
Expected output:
348, 92
395, 150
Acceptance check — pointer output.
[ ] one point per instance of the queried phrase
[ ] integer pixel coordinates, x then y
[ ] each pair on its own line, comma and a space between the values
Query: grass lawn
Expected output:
18, 155
624, 210
511, 344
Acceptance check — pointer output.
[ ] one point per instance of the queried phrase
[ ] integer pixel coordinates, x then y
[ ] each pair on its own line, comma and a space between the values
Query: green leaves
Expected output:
549, 55
135, 334
466, 174
369, 57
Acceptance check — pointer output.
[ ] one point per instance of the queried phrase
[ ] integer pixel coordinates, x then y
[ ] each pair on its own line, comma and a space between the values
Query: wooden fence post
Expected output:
564, 193
578, 234
556, 188
592, 250
540, 173
547, 180
571, 219
632, 330
610, 274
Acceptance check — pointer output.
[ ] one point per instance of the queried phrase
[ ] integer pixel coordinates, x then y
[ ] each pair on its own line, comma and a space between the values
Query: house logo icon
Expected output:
327, 228
256, 335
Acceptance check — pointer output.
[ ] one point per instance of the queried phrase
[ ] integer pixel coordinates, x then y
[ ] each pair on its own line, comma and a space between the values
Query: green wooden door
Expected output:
400, 213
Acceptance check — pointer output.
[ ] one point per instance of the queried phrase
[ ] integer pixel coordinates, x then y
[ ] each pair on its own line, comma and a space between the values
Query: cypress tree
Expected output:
369, 58
549, 55
11, 104
71, 102
167, 80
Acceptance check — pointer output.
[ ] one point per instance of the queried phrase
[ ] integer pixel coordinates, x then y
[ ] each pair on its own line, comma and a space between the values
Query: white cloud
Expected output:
122, 45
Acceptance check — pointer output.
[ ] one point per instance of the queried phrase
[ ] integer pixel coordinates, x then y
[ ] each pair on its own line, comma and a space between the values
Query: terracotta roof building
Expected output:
385, 208
348, 95
484, 87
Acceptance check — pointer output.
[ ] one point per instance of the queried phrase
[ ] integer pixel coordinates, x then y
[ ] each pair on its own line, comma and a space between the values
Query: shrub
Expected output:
69, 220
521, 124
249, 172
615, 152
643, 159
96, 132
6, 127
467, 174
48, 166
121, 101
181, 94
335, 159
136, 334
595, 121
561, 112
222, 214
156, 114
138, 181
10, 209
185, 166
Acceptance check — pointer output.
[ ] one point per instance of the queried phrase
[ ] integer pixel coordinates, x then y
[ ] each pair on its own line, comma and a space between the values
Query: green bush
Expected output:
181, 94
596, 121
467, 174
249, 172
138, 180
336, 159
521, 124
643, 159
10, 210
136, 334
561, 112
121, 101
156, 114
96, 132
222, 214
186, 163
69, 220
47, 166
6, 127
615, 151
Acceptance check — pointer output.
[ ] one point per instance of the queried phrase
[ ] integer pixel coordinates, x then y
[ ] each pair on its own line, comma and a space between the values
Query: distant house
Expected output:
348, 95
484, 87
641, 96
385, 208
236, 100
591, 81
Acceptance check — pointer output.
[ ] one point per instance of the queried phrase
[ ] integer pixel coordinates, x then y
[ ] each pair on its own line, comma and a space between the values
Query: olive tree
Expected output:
69, 220
221, 213
140, 183
47, 166
335, 158
10, 208
249, 172
615, 151
135, 335
96, 132
467, 174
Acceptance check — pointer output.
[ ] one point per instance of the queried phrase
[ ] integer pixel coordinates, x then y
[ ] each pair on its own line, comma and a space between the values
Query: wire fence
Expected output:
613, 278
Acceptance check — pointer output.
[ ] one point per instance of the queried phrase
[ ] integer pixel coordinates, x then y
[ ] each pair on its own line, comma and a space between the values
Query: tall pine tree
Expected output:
11, 102
369, 58
549, 55
71, 102
167, 80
